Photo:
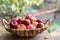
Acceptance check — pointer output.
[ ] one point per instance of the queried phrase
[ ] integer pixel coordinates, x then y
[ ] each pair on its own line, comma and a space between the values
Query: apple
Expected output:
28, 16
21, 27
39, 21
13, 24
31, 18
34, 23
31, 27
14, 19
39, 25
26, 22
20, 20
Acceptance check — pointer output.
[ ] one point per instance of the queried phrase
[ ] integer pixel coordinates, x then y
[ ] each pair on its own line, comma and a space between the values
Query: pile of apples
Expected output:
27, 22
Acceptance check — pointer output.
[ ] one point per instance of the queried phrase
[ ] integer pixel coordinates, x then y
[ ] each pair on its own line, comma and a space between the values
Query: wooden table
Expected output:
4, 35
9, 36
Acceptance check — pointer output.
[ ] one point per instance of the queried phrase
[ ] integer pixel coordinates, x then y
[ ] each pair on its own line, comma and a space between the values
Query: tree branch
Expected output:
45, 12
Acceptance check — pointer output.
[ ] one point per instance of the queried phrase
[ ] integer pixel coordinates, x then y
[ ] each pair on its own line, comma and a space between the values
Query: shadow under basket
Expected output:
26, 33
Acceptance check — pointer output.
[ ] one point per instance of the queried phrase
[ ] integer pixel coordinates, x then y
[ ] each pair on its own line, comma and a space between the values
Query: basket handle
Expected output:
47, 22
5, 23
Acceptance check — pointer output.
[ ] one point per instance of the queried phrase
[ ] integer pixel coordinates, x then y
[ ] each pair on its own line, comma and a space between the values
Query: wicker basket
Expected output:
25, 33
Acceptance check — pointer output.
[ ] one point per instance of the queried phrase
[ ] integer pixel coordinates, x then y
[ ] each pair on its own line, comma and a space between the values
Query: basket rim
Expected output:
27, 29
7, 24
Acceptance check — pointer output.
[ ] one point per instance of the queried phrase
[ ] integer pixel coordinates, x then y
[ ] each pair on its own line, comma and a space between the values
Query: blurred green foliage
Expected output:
18, 7
54, 25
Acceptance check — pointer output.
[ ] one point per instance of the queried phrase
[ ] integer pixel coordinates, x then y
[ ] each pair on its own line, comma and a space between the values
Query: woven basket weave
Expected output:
25, 33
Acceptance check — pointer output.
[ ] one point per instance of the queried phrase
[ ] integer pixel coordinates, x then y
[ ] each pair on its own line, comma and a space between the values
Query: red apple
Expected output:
31, 27
14, 19
28, 16
40, 25
26, 22
31, 18
20, 20
21, 27
39, 21
13, 24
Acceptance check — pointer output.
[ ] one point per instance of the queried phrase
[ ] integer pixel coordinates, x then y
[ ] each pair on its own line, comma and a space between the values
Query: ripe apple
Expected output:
14, 19
31, 27
21, 27
34, 23
31, 18
40, 25
39, 21
20, 20
28, 16
13, 24
26, 22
